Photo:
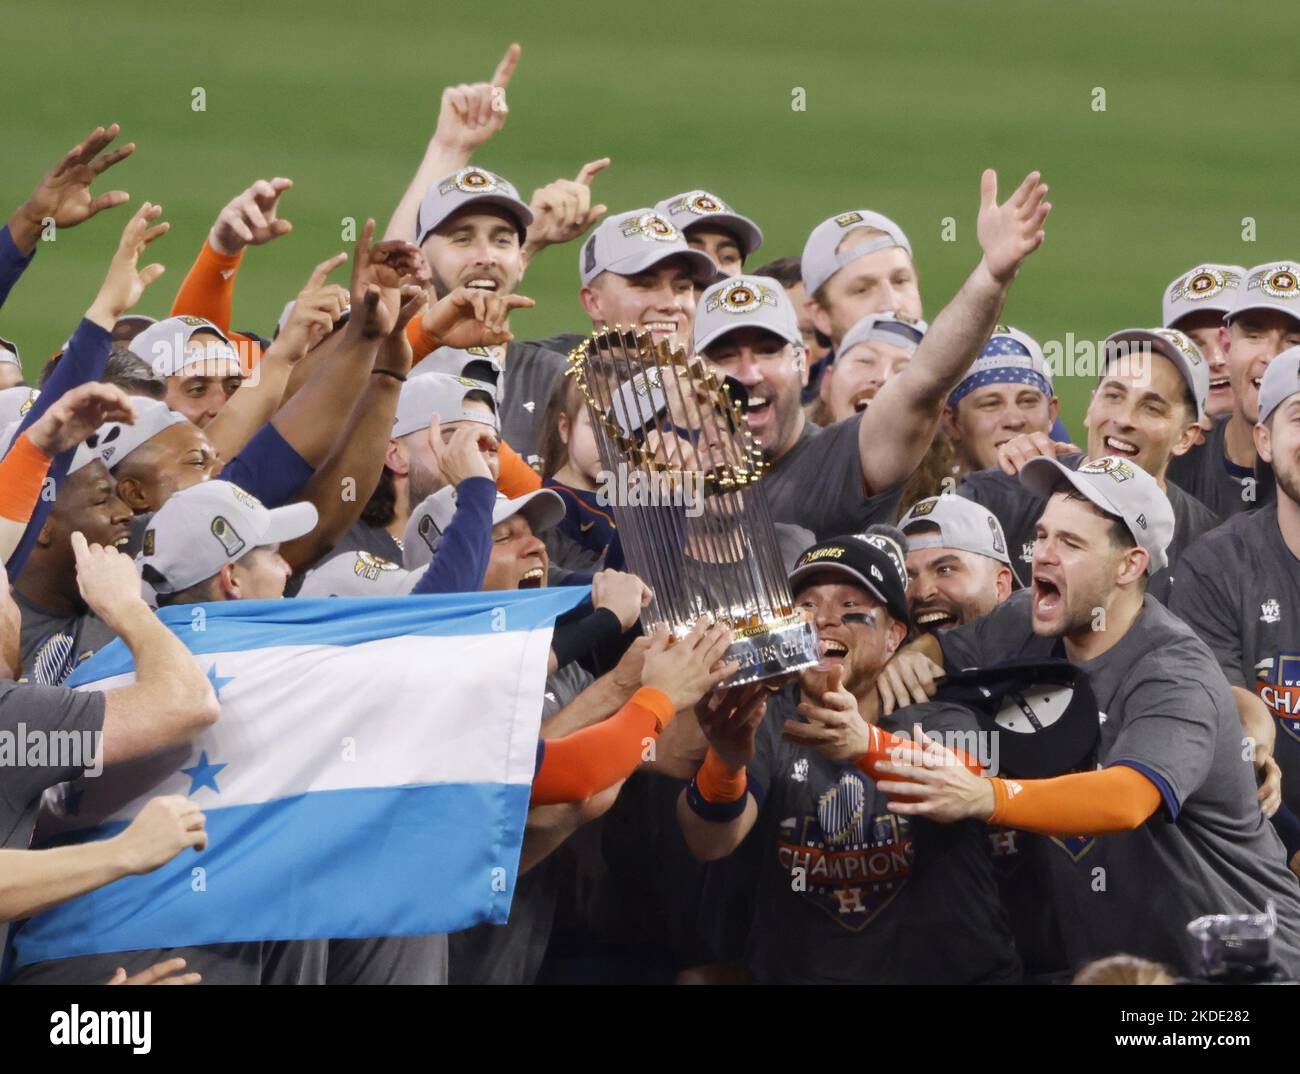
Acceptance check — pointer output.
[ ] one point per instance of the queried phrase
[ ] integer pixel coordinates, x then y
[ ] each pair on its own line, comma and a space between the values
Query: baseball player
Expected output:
711, 225
790, 275
1145, 409
1006, 393
1264, 321
842, 478
846, 892
1196, 304
873, 350
1169, 818
1241, 588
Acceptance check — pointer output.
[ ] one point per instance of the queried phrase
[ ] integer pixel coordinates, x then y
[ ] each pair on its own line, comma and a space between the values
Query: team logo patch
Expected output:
470, 181
1205, 283
995, 531
1269, 612
229, 537
890, 549
833, 552
1186, 347
1115, 469
479, 352
924, 507
742, 297
370, 566
1277, 684
195, 322
845, 219
247, 499
701, 203
27, 403
147, 546
1281, 284
649, 226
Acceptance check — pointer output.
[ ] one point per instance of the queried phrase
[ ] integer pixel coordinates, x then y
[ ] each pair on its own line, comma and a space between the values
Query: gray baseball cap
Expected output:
442, 394
16, 401
1120, 488
1272, 286
358, 574
115, 440
9, 354
638, 240
893, 329
1281, 381
202, 528
163, 346
1172, 344
543, 509
1206, 287
469, 186
697, 207
476, 363
961, 523
822, 257
745, 302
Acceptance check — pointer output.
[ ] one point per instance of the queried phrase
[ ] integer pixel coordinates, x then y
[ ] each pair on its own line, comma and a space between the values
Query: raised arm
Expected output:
906, 412
171, 700
469, 116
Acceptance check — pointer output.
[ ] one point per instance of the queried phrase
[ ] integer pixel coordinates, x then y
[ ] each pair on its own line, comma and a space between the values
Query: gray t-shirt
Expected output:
1239, 589
52, 645
527, 383
818, 484
50, 715
850, 893
1167, 712
1205, 473
1018, 510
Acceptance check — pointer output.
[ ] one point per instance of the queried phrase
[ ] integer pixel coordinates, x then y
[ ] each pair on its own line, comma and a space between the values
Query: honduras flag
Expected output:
369, 775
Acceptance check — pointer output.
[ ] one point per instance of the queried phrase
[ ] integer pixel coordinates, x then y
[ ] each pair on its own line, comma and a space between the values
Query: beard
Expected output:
1287, 476
421, 483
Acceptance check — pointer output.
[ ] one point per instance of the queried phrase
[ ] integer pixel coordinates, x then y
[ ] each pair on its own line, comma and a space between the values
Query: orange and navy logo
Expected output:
1277, 684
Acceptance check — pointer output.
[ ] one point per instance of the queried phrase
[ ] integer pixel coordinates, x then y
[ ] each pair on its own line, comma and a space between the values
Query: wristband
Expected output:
717, 812
717, 783
399, 377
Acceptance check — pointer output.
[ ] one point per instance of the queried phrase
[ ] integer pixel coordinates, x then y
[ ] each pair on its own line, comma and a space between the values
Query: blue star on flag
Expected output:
203, 775
217, 681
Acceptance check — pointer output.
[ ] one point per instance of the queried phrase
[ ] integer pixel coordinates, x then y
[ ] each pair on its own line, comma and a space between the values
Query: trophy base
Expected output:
773, 649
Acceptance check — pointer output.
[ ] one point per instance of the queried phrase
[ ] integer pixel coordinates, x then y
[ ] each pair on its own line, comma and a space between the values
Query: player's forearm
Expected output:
1102, 802
599, 700
22, 476
208, 290
1257, 722
311, 419
438, 161
35, 880
726, 824
954, 339
355, 465
252, 406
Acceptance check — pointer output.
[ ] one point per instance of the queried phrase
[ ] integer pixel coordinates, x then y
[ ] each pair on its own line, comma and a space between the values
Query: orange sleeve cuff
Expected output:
883, 743
586, 762
422, 343
22, 474
1103, 802
717, 783
208, 290
515, 477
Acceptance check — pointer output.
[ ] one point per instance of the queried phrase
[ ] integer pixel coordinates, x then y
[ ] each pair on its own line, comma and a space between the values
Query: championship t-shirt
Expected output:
1239, 589
1167, 712
1018, 510
52, 645
850, 893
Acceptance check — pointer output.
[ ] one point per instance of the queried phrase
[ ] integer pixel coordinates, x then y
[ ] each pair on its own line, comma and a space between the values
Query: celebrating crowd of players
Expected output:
955, 551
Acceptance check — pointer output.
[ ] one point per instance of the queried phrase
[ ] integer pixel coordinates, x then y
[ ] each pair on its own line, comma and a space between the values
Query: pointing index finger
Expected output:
506, 68
591, 169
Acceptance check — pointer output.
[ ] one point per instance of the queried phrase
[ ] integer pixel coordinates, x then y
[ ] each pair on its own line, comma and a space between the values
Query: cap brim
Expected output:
705, 271
1278, 306
745, 230
522, 214
1044, 476
707, 341
1165, 349
799, 574
293, 520
544, 509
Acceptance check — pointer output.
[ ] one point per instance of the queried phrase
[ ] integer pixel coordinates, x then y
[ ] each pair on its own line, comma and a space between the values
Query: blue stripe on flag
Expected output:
381, 861
228, 626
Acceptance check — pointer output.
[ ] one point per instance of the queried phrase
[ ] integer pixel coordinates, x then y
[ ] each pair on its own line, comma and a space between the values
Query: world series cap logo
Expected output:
701, 204
924, 507
1204, 283
470, 181
741, 298
649, 226
1281, 284
845, 219
1188, 349
1115, 469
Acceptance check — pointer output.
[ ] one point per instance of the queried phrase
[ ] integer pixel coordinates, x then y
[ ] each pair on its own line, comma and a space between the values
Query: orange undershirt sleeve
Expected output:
1103, 802
516, 477
422, 343
883, 744
22, 473
584, 763
208, 290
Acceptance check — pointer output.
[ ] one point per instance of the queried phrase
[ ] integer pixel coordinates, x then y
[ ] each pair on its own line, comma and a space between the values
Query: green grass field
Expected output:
905, 104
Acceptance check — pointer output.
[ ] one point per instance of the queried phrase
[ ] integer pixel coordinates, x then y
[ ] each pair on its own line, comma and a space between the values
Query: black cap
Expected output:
1043, 713
872, 560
